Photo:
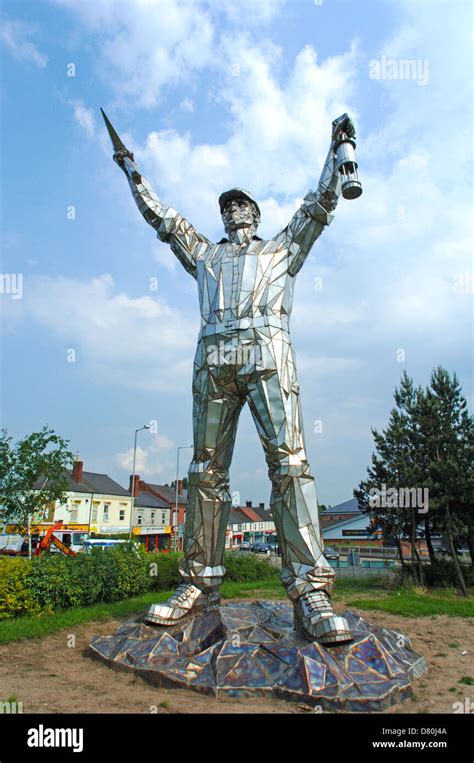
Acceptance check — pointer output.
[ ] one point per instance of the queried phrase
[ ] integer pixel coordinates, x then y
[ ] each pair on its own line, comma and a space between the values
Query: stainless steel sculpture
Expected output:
244, 354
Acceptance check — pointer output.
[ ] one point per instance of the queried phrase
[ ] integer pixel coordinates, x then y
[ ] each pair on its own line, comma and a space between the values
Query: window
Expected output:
94, 515
106, 512
163, 517
122, 515
152, 521
139, 518
73, 515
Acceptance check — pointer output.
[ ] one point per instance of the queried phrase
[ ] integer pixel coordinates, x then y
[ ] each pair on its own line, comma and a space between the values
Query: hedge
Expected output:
54, 581
245, 568
16, 597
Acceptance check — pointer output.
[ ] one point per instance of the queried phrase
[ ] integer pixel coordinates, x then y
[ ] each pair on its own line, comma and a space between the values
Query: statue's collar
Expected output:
227, 241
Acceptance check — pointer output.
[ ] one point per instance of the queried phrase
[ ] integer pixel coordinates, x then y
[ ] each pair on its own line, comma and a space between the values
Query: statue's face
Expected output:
239, 213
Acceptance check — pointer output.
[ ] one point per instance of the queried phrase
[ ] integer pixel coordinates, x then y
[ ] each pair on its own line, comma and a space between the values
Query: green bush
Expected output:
245, 568
163, 570
441, 574
129, 569
16, 597
53, 581
240, 568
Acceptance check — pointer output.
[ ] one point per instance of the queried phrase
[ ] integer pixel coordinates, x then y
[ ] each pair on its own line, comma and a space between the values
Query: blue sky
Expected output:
211, 95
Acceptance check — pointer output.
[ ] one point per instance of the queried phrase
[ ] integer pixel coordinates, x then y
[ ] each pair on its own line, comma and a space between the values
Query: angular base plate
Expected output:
250, 649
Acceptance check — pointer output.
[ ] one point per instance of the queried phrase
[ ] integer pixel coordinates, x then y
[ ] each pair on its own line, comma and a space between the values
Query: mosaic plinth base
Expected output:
251, 650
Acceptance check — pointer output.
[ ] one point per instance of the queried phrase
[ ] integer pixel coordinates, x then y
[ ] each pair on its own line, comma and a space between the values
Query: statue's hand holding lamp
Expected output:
344, 149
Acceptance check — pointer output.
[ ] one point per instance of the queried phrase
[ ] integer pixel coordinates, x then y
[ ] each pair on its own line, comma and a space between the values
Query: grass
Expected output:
377, 592
466, 680
37, 626
254, 590
410, 603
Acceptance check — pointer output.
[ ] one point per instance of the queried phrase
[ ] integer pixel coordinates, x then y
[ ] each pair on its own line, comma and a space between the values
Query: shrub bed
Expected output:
53, 581
164, 573
16, 597
246, 568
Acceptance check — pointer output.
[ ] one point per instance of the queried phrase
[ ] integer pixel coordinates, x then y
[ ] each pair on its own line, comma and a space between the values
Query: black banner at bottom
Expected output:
89, 737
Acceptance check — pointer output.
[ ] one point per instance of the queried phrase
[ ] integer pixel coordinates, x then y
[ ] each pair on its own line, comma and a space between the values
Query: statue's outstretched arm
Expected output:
313, 216
186, 243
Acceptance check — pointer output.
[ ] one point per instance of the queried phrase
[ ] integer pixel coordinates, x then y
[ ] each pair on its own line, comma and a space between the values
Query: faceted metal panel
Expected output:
251, 650
244, 355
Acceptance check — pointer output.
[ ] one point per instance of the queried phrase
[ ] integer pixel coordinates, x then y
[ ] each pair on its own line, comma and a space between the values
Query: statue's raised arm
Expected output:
314, 215
171, 227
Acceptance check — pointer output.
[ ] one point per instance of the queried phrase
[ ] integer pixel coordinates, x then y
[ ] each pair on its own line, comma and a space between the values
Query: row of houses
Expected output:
98, 505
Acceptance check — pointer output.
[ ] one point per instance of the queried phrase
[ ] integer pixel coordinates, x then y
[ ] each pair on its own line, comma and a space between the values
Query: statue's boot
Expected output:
186, 602
316, 620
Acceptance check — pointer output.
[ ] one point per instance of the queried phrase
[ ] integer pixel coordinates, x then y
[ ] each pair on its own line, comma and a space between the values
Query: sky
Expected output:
99, 320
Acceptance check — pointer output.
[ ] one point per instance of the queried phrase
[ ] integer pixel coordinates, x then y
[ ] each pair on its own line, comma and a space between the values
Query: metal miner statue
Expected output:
244, 355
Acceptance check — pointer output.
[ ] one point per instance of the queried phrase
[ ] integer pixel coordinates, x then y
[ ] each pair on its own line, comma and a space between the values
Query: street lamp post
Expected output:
145, 426
175, 518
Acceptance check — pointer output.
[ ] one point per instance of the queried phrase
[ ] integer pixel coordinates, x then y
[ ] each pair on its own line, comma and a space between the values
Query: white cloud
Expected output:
147, 46
260, 12
143, 342
84, 117
15, 36
151, 460
269, 150
187, 105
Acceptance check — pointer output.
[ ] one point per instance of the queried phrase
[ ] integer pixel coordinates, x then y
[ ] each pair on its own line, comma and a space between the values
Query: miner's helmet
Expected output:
236, 193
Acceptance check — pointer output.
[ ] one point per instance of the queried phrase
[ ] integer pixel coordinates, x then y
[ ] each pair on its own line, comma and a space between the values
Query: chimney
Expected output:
248, 504
77, 470
261, 505
136, 479
180, 487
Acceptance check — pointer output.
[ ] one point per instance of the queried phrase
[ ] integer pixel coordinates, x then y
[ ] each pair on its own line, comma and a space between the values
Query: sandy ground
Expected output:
52, 676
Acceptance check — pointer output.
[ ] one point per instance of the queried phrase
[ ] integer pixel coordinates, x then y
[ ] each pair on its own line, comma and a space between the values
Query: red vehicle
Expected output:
50, 538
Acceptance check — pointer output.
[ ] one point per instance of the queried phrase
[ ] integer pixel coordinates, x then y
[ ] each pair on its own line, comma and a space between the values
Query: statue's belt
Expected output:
241, 324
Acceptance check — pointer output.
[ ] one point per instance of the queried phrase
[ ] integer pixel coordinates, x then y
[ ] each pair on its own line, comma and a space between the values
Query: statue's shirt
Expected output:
249, 285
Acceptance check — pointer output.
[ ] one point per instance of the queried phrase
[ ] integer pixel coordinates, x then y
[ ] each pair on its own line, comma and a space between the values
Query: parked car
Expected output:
245, 546
91, 543
261, 548
331, 554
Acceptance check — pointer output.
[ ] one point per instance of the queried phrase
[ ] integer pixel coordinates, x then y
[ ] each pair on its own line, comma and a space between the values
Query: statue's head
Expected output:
239, 210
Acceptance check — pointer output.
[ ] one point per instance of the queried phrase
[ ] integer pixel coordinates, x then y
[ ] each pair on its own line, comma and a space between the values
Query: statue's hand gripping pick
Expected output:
244, 355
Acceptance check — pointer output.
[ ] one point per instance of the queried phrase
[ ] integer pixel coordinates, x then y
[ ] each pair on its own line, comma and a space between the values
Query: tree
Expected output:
32, 474
393, 472
449, 447
428, 443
